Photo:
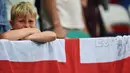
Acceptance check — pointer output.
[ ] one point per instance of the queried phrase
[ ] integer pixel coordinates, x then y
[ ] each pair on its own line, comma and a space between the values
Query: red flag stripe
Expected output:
122, 66
72, 54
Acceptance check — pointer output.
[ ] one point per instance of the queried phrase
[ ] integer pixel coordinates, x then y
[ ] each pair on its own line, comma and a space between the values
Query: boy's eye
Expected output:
31, 21
20, 20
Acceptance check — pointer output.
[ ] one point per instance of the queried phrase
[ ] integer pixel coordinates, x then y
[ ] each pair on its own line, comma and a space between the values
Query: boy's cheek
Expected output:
19, 26
32, 26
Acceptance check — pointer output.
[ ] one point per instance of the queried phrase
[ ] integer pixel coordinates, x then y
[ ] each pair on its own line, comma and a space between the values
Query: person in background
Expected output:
66, 17
23, 22
44, 18
92, 16
3, 17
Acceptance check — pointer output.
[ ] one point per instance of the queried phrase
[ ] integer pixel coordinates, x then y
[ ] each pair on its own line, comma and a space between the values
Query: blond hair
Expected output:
23, 8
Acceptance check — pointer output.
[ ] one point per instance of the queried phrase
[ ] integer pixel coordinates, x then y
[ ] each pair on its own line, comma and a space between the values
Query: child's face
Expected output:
24, 22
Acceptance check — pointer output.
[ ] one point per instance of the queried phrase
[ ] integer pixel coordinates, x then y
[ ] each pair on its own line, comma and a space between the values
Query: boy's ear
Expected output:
11, 22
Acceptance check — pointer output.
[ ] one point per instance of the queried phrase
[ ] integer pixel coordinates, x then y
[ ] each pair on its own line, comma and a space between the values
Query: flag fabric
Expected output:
86, 55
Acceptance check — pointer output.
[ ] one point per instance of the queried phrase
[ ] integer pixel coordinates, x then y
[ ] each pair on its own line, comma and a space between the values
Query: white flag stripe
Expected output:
94, 50
126, 44
28, 51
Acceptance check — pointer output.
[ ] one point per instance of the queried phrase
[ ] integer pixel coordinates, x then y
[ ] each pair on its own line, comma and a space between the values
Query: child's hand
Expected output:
34, 30
30, 31
45, 36
26, 38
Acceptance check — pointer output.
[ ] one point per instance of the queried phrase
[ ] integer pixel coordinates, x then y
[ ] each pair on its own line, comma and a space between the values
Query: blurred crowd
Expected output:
75, 18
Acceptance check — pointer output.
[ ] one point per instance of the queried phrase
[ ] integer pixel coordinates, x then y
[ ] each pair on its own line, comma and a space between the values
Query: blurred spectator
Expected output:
117, 19
3, 17
92, 16
66, 16
44, 18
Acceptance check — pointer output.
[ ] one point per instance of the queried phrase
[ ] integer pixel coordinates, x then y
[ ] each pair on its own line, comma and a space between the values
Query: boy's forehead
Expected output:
25, 16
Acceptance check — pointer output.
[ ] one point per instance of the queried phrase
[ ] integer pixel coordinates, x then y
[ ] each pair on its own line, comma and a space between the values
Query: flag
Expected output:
86, 55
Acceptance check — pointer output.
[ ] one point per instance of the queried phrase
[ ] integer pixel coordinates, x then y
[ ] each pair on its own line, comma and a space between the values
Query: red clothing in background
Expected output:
114, 1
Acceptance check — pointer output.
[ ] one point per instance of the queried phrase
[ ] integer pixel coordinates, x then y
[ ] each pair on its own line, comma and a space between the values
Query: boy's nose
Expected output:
26, 25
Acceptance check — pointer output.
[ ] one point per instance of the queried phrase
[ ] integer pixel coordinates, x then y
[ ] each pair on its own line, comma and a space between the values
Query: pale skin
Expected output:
84, 2
24, 29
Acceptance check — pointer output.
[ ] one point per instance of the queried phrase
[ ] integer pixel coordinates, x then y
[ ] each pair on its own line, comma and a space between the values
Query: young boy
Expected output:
23, 22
